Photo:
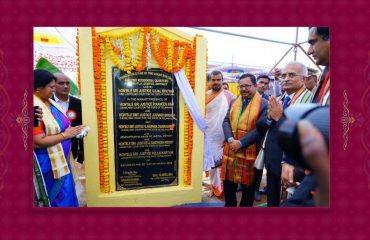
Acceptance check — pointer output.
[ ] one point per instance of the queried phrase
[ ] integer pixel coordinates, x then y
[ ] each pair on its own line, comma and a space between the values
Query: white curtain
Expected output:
196, 114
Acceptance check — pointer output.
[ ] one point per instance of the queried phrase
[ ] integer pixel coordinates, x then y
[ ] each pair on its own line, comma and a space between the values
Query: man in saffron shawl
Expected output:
242, 142
217, 104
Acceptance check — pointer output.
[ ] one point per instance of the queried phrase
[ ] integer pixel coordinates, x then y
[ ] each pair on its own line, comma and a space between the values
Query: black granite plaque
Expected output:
145, 129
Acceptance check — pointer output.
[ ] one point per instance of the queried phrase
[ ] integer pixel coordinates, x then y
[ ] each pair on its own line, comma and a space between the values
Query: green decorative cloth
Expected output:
41, 198
43, 63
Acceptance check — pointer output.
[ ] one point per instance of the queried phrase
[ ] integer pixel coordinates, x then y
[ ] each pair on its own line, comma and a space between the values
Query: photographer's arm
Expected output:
317, 155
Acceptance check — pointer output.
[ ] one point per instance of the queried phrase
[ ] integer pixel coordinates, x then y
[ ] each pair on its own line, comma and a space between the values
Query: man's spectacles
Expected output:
245, 86
290, 75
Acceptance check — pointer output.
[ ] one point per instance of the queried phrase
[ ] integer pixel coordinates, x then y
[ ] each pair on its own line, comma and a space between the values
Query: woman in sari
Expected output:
52, 144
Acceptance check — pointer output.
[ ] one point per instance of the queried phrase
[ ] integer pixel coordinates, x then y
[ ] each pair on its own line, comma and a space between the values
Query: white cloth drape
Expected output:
216, 111
215, 115
196, 114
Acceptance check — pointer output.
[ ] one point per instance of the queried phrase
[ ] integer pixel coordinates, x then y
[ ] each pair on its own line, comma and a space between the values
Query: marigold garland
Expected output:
101, 107
187, 158
170, 54
105, 161
121, 35
187, 59
143, 50
163, 52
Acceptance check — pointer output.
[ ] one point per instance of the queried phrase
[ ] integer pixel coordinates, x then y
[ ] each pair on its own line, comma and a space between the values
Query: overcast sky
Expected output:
224, 48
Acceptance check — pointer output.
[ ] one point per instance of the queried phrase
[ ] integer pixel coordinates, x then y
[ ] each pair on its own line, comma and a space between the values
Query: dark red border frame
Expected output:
350, 128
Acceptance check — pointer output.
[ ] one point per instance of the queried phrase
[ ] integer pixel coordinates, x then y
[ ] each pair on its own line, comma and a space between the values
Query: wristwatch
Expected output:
230, 139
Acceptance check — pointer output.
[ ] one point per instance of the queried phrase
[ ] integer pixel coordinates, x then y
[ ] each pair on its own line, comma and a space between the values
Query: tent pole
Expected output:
280, 59
295, 45
309, 57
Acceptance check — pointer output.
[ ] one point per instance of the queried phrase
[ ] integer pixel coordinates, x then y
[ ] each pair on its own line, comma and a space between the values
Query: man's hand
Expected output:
287, 173
275, 109
38, 113
277, 73
234, 145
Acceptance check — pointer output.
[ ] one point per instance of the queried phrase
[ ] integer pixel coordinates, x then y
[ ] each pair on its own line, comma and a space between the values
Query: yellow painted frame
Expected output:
152, 197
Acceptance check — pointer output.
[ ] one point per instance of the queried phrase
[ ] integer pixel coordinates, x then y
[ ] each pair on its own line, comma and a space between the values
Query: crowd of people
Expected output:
239, 126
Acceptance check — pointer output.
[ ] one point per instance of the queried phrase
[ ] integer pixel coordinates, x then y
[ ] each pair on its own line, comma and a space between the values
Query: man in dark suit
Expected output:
242, 142
292, 78
72, 108
263, 82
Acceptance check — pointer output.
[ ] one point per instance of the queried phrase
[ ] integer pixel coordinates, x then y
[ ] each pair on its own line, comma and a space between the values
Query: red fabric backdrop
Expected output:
350, 128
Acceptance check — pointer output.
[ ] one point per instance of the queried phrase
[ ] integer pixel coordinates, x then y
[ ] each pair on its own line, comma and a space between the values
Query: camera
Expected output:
288, 137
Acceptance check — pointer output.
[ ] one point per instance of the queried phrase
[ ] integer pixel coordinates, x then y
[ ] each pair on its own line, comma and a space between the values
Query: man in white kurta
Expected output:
217, 104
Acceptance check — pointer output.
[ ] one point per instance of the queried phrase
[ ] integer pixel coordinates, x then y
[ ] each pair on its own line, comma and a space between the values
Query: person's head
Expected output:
262, 83
292, 77
215, 81
310, 81
62, 85
208, 77
225, 86
319, 40
247, 85
43, 83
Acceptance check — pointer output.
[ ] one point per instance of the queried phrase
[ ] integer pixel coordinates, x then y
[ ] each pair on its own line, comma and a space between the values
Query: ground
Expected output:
207, 201
219, 202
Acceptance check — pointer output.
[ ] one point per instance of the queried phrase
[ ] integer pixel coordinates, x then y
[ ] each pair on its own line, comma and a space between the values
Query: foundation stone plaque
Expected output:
145, 129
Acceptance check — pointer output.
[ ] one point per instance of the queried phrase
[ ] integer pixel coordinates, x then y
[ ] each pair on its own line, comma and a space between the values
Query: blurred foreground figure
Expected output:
317, 155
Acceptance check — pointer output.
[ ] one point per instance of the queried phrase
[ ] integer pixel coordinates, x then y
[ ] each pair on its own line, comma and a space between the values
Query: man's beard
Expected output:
216, 88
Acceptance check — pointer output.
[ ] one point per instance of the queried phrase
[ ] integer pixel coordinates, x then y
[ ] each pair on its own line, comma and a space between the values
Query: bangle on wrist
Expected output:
63, 135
